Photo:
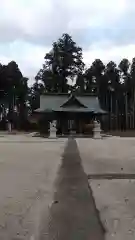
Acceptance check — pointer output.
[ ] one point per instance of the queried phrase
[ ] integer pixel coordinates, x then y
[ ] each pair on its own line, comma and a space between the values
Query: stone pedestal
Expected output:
53, 130
97, 130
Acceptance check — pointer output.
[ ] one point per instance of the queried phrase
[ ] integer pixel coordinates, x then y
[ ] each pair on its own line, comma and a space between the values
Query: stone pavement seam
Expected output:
111, 176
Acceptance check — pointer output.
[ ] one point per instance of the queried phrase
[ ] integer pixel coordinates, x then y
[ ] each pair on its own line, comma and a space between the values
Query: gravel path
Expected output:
73, 215
27, 174
110, 166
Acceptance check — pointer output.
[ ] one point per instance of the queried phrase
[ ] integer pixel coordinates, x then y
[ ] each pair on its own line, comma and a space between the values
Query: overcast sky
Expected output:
104, 28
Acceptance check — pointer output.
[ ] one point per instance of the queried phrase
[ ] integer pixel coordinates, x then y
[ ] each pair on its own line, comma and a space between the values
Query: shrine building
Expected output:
72, 112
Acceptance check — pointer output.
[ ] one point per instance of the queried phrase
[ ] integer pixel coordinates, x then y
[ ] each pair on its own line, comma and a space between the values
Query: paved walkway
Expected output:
27, 174
73, 215
110, 166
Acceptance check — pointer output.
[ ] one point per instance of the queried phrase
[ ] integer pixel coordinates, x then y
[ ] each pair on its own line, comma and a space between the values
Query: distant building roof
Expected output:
69, 103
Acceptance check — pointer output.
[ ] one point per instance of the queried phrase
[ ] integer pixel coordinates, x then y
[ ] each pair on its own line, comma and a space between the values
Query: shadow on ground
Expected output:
73, 215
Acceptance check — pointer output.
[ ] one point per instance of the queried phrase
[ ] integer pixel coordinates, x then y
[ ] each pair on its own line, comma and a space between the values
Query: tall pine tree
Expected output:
62, 65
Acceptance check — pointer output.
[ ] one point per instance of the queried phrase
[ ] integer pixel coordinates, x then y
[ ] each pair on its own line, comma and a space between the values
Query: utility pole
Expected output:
116, 114
134, 108
111, 113
126, 110
111, 106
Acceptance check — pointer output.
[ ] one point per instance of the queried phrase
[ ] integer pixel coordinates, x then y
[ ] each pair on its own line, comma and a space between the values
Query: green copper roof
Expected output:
68, 103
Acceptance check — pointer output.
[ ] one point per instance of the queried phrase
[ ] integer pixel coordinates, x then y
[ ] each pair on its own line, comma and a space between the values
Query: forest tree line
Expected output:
64, 71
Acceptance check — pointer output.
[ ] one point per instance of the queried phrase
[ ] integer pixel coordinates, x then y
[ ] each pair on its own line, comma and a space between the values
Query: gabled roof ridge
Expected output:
67, 100
69, 94
75, 98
